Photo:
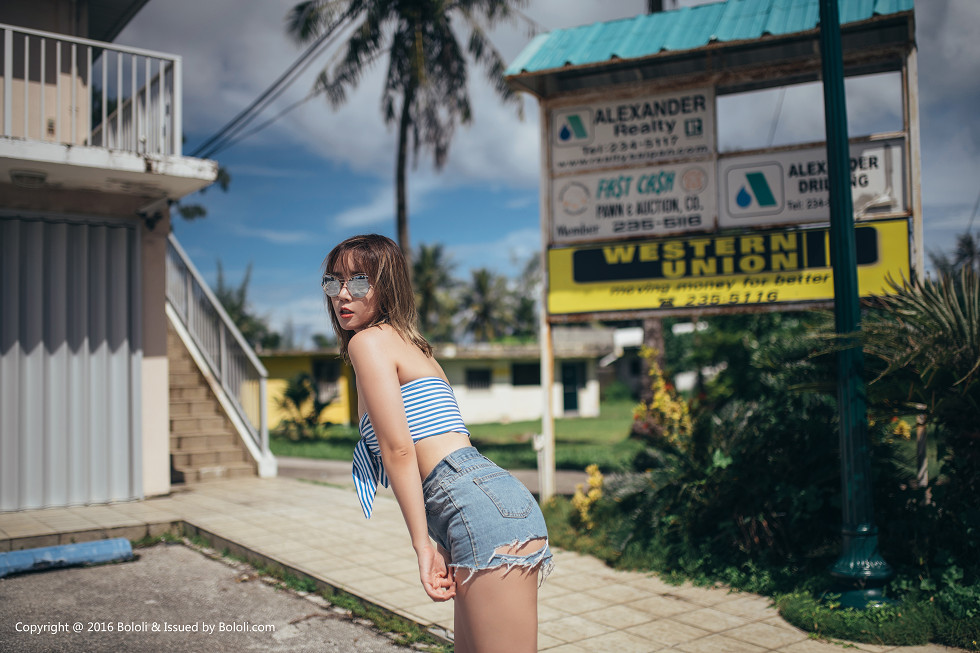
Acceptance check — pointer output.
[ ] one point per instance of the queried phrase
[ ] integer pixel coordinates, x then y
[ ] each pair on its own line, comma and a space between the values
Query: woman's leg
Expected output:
499, 607
461, 640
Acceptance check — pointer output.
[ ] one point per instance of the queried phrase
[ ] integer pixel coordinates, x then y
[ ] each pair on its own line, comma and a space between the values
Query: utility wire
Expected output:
776, 114
232, 140
225, 136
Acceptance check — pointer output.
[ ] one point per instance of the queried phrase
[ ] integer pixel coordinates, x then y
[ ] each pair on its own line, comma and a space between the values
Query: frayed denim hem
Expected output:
542, 559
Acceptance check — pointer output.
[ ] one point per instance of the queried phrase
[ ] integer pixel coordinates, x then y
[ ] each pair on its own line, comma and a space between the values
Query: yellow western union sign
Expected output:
753, 267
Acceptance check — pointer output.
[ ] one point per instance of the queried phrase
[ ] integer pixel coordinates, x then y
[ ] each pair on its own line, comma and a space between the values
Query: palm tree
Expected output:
432, 279
966, 254
254, 328
526, 298
486, 303
924, 342
425, 90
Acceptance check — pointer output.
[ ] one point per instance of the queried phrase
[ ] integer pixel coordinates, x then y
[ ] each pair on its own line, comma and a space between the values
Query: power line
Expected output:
232, 140
776, 114
225, 136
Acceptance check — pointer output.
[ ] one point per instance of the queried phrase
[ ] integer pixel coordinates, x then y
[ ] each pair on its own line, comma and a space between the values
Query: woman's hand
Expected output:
437, 579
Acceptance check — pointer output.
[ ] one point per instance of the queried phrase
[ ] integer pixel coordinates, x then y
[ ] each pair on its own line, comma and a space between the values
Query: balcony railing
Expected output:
73, 91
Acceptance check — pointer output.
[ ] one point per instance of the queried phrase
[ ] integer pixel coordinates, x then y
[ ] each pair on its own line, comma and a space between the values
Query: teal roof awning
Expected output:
688, 28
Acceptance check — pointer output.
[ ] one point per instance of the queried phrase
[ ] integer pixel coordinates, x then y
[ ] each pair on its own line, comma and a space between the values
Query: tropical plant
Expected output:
525, 314
485, 303
254, 329
923, 341
966, 253
426, 85
433, 282
928, 333
303, 405
746, 491
750, 494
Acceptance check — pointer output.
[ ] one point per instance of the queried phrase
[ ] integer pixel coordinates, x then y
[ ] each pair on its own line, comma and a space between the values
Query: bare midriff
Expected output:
429, 451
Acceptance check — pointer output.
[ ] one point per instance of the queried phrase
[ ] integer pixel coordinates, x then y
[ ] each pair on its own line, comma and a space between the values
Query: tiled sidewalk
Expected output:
319, 531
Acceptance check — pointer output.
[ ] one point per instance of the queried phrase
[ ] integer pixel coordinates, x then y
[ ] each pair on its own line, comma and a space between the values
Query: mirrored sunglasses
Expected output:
358, 285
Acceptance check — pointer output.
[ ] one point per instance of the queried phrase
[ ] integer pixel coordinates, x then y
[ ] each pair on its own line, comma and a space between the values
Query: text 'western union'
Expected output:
713, 256
709, 256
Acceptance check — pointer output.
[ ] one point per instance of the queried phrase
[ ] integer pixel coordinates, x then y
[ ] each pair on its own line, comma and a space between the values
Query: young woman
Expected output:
491, 540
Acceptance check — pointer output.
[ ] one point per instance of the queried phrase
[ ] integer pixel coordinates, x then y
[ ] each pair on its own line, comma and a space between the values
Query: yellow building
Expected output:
333, 378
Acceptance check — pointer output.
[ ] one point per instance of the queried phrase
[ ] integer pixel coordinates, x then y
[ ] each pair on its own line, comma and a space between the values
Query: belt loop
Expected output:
452, 462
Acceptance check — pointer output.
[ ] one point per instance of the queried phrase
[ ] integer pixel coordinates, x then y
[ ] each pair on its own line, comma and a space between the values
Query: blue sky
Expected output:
318, 175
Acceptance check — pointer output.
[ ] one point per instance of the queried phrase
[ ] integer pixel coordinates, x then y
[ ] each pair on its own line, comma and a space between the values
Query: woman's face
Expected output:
353, 313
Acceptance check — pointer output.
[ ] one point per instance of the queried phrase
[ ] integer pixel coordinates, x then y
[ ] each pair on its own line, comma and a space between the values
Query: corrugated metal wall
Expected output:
70, 360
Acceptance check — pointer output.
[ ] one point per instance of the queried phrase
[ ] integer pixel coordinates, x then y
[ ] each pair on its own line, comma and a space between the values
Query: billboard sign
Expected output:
649, 201
790, 186
633, 131
720, 270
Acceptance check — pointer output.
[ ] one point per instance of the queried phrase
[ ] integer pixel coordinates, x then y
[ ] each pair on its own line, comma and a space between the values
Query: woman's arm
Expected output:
377, 375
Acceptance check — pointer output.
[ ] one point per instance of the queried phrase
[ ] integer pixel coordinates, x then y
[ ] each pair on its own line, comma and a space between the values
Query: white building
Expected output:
90, 160
502, 383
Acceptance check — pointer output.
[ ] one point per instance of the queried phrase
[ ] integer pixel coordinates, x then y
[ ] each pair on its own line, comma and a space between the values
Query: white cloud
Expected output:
233, 49
380, 207
275, 236
524, 202
506, 255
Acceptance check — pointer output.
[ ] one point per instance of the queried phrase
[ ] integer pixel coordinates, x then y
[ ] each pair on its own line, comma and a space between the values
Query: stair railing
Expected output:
228, 356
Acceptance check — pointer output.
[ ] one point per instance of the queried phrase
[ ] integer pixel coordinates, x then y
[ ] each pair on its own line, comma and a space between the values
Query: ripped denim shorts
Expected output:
474, 507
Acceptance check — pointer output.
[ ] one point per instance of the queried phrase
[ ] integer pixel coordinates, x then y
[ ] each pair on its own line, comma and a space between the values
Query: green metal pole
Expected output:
860, 571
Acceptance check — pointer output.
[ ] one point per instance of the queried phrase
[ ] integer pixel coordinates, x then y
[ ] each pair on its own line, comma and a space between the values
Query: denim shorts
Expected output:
474, 507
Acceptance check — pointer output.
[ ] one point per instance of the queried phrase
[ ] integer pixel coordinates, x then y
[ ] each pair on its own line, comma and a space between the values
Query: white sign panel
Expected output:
649, 201
791, 187
633, 131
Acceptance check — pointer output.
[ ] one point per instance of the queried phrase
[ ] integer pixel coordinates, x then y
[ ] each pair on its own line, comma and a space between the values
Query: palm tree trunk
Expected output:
401, 200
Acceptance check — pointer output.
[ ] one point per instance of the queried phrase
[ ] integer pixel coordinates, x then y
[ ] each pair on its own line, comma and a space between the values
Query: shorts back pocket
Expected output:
507, 493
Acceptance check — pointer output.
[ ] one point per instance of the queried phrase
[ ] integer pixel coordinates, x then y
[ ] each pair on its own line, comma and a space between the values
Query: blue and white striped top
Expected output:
431, 409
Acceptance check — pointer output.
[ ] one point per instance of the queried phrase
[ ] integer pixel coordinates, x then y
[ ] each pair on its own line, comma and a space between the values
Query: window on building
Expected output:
478, 378
326, 374
525, 374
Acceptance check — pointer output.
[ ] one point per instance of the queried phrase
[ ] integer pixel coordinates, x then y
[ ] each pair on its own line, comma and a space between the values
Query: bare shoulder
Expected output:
370, 339
373, 342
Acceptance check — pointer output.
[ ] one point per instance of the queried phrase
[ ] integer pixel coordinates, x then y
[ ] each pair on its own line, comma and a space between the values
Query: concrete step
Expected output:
193, 423
211, 456
201, 440
187, 380
218, 472
182, 367
197, 393
194, 408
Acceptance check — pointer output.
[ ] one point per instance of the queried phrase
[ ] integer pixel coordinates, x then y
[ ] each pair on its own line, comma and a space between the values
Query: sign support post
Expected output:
545, 441
860, 569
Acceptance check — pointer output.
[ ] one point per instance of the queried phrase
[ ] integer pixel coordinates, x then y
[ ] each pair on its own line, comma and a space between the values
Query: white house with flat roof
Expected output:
90, 162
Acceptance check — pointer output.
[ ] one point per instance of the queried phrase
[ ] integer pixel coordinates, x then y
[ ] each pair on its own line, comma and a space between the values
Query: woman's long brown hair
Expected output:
382, 260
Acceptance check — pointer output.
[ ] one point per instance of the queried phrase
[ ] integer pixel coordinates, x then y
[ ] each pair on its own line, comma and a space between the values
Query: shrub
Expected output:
896, 625
617, 391
303, 406
746, 491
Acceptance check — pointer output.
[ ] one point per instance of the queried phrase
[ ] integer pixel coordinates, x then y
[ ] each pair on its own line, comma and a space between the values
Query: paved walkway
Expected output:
319, 531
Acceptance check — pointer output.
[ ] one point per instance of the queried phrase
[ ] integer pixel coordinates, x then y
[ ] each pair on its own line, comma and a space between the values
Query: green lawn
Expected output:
578, 441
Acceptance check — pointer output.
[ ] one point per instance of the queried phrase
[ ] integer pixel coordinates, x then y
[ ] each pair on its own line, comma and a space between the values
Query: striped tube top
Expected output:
431, 409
